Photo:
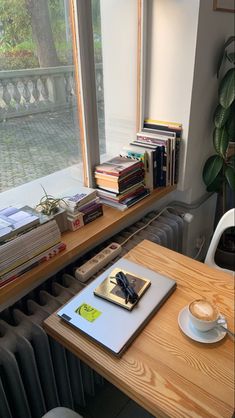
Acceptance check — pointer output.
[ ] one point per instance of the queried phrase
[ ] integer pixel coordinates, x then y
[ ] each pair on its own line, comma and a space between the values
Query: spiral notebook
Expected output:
108, 324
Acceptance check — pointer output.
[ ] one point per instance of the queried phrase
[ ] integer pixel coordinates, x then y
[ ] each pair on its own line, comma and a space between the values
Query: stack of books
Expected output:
22, 249
120, 182
82, 208
157, 145
13, 221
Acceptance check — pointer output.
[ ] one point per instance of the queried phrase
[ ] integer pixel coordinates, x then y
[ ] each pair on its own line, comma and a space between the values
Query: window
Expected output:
115, 39
64, 65
39, 129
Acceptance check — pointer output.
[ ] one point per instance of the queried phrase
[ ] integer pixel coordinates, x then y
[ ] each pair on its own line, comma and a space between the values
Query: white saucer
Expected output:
188, 329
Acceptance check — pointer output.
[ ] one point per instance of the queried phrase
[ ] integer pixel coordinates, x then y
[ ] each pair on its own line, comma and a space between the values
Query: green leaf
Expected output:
221, 56
230, 176
216, 185
220, 141
231, 57
211, 169
221, 116
227, 88
230, 124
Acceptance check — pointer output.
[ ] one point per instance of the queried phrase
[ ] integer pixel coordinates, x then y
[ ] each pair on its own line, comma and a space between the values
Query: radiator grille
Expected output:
36, 373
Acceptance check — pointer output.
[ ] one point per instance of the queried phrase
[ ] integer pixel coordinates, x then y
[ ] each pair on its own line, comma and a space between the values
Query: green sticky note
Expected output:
88, 312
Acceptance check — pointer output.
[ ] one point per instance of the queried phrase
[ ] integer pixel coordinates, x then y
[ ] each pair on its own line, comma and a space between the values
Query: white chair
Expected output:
60, 412
227, 221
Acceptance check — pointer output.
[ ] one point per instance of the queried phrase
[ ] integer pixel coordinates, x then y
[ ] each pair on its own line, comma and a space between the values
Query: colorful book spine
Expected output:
36, 261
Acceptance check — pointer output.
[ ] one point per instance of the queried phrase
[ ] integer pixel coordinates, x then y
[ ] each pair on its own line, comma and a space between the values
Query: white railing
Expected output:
24, 92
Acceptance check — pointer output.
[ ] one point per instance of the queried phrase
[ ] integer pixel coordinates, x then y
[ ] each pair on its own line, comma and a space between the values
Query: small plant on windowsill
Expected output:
50, 206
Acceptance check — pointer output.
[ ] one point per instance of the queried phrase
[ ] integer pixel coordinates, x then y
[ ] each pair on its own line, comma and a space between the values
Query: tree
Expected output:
42, 33
15, 23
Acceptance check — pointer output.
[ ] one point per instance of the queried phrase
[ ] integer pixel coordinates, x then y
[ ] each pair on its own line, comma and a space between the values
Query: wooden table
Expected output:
164, 371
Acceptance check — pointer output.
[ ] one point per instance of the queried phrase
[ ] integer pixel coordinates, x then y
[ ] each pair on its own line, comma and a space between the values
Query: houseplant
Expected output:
50, 206
219, 169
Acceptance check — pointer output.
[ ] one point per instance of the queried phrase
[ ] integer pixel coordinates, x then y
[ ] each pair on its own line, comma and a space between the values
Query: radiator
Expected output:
36, 373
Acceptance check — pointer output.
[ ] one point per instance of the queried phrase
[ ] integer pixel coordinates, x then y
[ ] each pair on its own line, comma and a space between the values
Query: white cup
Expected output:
207, 324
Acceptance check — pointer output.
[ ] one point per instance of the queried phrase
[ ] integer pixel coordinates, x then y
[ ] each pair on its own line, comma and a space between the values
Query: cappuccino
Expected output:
203, 310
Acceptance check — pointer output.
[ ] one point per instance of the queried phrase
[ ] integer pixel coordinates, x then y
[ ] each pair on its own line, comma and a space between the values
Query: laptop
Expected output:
109, 324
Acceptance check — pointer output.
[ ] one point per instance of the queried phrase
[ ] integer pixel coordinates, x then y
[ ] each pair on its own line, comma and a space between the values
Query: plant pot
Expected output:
61, 220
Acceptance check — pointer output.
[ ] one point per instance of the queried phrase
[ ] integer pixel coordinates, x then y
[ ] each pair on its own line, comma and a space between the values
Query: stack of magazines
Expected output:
82, 208
120, 182
29, 248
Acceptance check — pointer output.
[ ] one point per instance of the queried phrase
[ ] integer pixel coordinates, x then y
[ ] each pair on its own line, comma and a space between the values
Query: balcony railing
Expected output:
24, 92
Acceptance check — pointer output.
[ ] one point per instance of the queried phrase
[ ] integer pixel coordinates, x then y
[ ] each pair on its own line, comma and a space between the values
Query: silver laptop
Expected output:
111, 325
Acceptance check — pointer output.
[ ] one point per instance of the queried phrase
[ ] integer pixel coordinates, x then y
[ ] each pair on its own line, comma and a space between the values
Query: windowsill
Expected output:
78, 243
55, 184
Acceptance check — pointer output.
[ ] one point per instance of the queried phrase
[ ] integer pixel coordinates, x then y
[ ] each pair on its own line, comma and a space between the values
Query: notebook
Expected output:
108, 324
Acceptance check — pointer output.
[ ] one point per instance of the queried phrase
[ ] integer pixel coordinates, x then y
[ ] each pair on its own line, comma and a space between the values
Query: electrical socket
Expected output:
199, 241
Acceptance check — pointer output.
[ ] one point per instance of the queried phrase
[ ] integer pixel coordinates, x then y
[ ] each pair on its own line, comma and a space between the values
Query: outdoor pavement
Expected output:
37, 145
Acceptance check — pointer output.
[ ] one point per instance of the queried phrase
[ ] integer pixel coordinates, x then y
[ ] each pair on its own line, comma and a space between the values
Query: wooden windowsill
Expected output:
77, 243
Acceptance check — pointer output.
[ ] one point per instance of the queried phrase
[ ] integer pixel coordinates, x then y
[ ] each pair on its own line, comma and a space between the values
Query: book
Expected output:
167, 142
119, 197
128, 202
33, 262
118, 166
121, 182
28, 245
75, 201
112, 292
85, 214
153, 125
144, 155
161, 159
14, 221
93, 214
83, 208
121, 186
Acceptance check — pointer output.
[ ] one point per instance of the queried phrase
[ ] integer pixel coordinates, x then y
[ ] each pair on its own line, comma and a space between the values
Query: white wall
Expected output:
170, 64
184, 41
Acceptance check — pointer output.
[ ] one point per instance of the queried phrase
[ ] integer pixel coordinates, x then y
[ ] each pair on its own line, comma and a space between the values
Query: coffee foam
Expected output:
204, 310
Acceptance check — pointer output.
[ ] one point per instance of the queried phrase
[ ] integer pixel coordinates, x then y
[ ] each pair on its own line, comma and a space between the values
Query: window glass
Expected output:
39, 133
115, 48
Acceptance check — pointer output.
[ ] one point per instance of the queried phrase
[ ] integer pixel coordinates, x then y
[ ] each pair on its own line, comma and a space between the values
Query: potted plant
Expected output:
50, 206
219, 169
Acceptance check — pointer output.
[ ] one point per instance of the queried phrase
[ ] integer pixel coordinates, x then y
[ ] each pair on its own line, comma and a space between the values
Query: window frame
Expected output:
83, 47
81, 16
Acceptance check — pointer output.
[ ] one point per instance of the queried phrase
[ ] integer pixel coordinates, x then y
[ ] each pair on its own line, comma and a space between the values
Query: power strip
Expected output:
84, 272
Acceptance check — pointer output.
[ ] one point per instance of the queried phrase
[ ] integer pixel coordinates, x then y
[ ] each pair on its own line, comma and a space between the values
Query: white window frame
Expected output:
86, 83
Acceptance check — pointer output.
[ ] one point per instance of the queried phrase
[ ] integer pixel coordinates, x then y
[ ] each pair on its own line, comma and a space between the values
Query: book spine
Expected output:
36, 261
177, 156
89, 217
75, 222
158, 128
136, 199
143, 156
161, 167
164, 123
137, 155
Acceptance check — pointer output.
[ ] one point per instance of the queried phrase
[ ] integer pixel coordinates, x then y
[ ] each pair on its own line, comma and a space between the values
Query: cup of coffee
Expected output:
203, 314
